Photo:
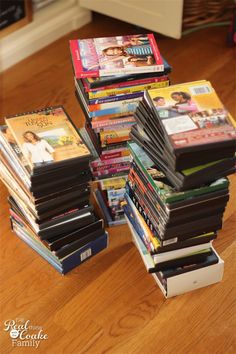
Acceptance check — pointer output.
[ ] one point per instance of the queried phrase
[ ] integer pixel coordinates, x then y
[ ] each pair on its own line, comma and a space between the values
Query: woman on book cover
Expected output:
138, 51
184, 104
141, 61
37, 150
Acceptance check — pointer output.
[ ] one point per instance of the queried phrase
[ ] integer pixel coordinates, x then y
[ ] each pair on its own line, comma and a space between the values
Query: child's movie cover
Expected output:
97, 57
192, 115
47, 137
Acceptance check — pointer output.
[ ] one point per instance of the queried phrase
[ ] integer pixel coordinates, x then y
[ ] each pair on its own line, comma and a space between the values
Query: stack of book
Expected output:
44, 163
110, 77
177, 189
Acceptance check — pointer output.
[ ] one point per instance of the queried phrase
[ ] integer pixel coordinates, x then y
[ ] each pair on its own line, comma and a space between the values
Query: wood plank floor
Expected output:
110, 304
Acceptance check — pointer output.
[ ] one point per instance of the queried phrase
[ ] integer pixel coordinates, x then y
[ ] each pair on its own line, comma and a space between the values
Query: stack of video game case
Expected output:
44, 163
183, 149
111, 75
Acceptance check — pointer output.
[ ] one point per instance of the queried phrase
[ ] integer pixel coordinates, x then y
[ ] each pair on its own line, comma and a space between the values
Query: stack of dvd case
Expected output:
110, 75
177, 188
186, 130
44, 163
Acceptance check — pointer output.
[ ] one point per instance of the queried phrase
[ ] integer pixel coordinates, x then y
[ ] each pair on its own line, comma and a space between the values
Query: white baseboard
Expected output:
49, 24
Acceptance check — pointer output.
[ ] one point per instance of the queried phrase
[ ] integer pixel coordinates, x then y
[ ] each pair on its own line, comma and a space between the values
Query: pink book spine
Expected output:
155, 50
115, 155
113, 122
110, 161
109, 171
78, 68
109, 167
113, 151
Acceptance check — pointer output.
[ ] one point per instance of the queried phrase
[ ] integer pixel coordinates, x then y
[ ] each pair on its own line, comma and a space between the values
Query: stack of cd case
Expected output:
174, 230
44, 163
110, 76
187, 132
183, 149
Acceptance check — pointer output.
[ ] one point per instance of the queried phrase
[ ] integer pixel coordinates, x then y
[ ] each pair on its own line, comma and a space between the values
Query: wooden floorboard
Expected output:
110, 304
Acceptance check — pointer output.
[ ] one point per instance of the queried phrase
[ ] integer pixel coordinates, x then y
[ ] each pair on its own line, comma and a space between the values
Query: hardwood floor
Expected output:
110, 304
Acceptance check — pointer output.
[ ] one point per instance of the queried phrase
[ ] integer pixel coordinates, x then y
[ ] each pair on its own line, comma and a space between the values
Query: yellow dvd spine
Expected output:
127, 90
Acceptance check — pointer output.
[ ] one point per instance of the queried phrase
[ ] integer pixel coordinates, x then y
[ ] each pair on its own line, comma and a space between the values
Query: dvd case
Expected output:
48, 139
97, 57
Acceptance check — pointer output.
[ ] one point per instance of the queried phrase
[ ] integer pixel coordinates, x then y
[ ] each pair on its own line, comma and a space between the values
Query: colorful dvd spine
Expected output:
110, 166
110, 171
109, 118
100, 163
114, 140
117, 118
138, 228
110, 122
114, 134
127, 90
126, 106
116, 98
114, 127
125, 83
116, 152
113, 155
113, 183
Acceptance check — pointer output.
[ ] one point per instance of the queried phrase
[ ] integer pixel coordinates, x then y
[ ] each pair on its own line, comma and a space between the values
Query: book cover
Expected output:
97, 57
47, 137
192, 114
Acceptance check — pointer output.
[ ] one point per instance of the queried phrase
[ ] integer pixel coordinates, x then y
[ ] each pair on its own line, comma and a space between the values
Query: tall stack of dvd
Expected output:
183, 149
44, 163
111, 75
